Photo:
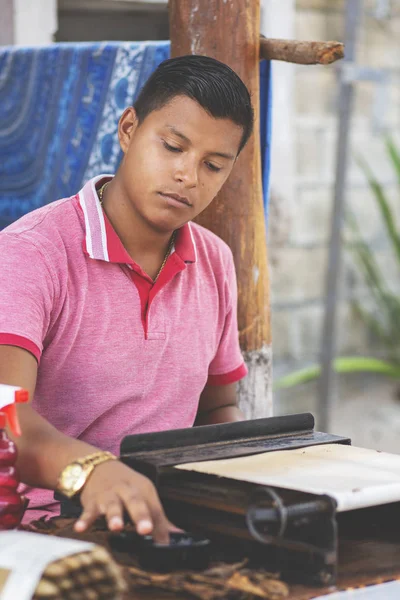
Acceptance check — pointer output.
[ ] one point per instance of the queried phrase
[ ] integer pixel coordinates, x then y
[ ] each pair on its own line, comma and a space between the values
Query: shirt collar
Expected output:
101, 240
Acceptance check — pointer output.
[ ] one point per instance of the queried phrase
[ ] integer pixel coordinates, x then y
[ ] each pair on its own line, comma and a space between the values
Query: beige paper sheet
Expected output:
355, 477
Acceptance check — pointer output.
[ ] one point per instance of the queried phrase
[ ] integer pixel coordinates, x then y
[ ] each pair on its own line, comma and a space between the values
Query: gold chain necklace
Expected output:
100, 193
169, 249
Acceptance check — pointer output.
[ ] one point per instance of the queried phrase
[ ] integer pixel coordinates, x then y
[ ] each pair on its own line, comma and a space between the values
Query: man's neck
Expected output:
146, 246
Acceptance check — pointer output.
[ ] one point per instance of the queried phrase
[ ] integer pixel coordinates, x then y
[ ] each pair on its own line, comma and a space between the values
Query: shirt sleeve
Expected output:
27, 294
228, 365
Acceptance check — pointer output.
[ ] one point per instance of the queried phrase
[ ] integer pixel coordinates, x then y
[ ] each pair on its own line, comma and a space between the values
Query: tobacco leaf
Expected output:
269, 582
262, 588
243, 584
225, 569
221, 581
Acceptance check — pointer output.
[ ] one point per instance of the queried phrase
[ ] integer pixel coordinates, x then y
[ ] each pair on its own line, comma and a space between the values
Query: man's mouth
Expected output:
179, 199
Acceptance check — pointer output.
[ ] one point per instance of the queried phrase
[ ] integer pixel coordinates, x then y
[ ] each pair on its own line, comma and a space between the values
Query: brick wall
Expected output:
299, 255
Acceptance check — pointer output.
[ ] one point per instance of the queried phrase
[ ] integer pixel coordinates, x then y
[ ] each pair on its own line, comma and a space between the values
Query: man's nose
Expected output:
187, 173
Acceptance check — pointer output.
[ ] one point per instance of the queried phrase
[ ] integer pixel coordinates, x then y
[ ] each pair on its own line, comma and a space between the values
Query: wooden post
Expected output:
229, 30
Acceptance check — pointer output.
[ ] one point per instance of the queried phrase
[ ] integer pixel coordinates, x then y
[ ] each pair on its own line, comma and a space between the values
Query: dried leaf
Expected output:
148, 575
217, 583
224, 569
274, 588
243, 584
203, 592
260, 575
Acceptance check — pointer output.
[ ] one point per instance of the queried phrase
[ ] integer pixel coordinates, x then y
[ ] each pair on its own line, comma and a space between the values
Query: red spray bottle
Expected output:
11, 503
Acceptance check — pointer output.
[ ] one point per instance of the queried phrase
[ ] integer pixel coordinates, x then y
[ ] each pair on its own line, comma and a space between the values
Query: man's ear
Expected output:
126, 128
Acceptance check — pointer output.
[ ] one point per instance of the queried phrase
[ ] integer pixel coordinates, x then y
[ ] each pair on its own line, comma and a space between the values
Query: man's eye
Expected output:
171, 148
213, 167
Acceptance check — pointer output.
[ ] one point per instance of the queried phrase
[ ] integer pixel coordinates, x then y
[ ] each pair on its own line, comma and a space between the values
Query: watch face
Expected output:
73, 477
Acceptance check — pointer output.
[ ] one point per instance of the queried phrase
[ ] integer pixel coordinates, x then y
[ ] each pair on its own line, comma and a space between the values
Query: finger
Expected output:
88, 516
113, 512
138, 510
161, 525
161, 528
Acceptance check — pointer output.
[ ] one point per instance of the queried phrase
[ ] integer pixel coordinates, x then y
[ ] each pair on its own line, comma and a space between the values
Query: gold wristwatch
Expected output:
75, 475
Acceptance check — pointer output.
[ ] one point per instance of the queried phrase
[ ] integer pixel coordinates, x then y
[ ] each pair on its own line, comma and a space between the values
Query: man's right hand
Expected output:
113, 487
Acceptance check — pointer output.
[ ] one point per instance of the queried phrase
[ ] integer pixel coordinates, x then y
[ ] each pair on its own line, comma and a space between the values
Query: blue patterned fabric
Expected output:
59, 110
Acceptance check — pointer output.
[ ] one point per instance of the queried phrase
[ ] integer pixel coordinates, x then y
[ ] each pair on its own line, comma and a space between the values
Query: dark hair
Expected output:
211, 83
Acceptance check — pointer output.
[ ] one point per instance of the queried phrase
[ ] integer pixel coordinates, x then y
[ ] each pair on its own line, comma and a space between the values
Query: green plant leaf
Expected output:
366, 260
394, 156
344, 364
365, 256
376, 326
381, 331
382, 316
387, 304
384, 207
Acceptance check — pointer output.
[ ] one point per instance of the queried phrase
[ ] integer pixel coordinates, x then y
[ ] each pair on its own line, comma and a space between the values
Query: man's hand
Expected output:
113, 487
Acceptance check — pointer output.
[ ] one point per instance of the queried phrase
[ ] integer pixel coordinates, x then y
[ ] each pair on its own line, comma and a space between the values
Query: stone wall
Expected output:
299, 240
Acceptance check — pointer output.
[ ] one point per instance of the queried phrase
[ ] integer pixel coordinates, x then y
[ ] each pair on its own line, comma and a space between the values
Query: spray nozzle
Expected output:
9, 397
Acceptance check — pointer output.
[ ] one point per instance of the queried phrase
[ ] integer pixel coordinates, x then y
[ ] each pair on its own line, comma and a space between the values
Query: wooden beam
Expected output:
237, 214
299, 52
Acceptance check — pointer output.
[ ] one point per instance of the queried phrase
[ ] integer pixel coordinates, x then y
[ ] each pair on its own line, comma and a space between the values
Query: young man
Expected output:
116, 312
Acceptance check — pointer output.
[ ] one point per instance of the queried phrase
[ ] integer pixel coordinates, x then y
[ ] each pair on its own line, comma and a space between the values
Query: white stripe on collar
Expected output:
96, 237
100, 216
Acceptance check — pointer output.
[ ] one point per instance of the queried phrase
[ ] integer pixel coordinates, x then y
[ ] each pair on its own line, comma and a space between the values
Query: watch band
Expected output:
96, 458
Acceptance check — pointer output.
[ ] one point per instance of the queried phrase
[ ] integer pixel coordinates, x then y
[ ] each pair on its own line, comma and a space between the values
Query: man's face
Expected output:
176, 161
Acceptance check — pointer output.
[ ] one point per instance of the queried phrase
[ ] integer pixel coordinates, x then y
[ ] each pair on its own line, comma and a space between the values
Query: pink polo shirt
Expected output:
117, 354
